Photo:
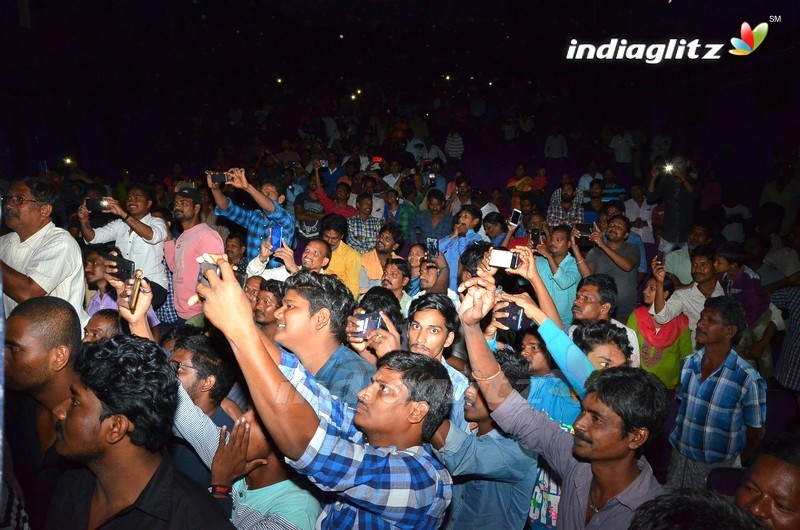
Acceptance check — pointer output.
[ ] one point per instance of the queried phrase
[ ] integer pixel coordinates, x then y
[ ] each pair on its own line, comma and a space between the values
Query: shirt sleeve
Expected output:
159, 228
194, 426
485, 457
235, 213
754, 402
106, 233
54, 261
536, 432
567, 274
672, 308
573, 362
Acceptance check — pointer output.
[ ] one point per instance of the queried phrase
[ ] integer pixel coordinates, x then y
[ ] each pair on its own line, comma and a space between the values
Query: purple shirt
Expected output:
98, 302
745, 287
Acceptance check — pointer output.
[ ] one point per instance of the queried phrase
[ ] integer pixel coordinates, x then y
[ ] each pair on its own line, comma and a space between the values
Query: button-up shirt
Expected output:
425, 227
363, 233
345, 374
690, 302
258, 224
452, 250
537, 433
714, 412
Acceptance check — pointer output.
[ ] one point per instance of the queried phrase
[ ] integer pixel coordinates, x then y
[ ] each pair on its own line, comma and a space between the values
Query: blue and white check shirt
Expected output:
258, 224
363, 233
714, 413
375, 487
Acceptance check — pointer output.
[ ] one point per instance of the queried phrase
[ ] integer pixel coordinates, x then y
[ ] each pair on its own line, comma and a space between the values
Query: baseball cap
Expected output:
189, 193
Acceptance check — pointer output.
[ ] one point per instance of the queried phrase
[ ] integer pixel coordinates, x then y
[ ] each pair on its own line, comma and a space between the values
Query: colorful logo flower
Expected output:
751, 39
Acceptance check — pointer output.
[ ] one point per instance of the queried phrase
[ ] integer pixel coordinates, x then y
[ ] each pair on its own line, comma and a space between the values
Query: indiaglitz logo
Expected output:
751, 39
620, 49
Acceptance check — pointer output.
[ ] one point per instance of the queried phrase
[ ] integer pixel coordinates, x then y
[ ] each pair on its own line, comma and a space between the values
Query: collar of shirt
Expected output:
34, 240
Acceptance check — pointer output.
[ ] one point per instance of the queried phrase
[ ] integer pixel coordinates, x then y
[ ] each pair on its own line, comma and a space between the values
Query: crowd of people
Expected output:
338, 335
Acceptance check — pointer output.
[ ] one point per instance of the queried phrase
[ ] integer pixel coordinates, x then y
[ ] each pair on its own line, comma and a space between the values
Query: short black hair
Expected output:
691, 509
589, 335
277, 288
328, 251
473, 255
494, 218
379, 299
606, 289
53, 321
534, 332
401, 264
732, 312
178, 332
440, 303
165, 213
625, 221
785, 447
435, 193
325, 291
396, 232
41, 190
515, 368
363, 197
109, 314
426, 380
335, 222
638, 397
566, 229
210, 360
131, 376
280, 187
146, 189
703, 251
237, 235
732, 253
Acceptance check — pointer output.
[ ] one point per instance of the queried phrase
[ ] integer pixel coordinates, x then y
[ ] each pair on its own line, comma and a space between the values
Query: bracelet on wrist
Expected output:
126, 217
219, 490
484, 379
581, 261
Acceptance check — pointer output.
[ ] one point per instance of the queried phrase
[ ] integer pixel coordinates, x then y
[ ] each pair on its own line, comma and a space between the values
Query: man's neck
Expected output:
362, 216
707, 287
616, 245
485, 426
112, 494
398, 294
558, 258
25, 234
716, 353
188, 225
323, 345
269, 329
140, 216
610, 478
383, 257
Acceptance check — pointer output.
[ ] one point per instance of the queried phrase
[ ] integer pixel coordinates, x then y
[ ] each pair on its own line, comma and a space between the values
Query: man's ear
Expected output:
116, 428
47, 211
451, 336
325, 262
638, 437
322, 318
208, 383
405, 281
59, 358
605, 309
731, 332
419, 409
149, 205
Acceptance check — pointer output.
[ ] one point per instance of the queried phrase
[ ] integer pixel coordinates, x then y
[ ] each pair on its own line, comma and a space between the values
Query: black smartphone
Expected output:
125, 267
585, 230
220, 178
432, 245
661, 257
516, 217
367, 323
503, 259
96, 205
538, 237
514, 319
201, 278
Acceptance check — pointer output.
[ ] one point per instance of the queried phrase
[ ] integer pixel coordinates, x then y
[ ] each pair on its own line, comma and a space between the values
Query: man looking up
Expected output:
181, 254
116, 420
392, 481
138, 235
771, 490
464, 234
311, 323
373, 263
604, 480
37, 258
345, 262
42, 334
259, 223
723, 400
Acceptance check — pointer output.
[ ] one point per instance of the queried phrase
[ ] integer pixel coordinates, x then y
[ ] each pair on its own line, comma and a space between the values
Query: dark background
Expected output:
117, 84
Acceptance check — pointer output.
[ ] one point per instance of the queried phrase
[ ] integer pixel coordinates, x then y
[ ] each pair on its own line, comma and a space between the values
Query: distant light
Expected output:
358, 91
279, 80
67, 160
447, 78
352, 96
341, 36
472, 77
490, 83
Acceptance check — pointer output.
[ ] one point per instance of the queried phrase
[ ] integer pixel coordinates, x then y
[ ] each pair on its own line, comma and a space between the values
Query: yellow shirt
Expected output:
372, 268
346, 264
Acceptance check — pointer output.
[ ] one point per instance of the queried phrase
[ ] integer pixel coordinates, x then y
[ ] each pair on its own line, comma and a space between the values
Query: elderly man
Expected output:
37, 258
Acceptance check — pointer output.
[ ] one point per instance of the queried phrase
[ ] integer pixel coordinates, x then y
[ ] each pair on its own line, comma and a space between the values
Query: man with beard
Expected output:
116, 420
181, 254
566, 206
42, 335
38, 258
396, 275
268, 301
373, 263
138, 235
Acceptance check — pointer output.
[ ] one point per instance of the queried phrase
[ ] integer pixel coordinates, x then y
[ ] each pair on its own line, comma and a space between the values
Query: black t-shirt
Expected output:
308, 229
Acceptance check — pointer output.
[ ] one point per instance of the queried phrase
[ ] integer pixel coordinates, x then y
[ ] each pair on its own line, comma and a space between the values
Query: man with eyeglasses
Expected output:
37, 257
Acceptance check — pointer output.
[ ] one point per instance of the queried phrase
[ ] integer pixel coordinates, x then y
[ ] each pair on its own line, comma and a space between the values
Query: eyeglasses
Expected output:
178, 365
17, 200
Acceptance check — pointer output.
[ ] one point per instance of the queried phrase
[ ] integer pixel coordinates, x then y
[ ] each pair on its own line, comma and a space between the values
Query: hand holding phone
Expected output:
366, 324
201, 277
516, 217
432, 245
504, 259
96, 205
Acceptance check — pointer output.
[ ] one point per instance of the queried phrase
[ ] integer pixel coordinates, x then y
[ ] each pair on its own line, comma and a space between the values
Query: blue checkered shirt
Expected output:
258, 224
363, 233
374, 487
713, 414
166, 313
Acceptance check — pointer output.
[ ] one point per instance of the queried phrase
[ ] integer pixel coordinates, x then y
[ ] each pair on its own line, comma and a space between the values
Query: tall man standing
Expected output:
38, 258
197, 239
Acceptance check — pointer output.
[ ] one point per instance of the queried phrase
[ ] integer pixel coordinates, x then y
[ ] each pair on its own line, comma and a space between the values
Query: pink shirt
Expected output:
181, 255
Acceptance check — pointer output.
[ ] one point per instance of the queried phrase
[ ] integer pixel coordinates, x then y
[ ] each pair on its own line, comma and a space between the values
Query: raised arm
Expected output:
528, 270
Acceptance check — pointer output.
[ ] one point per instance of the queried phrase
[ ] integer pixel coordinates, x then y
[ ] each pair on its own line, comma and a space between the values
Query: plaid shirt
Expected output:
375, 487
166, 313
713, 414
556, 215
363, 233
258, 224
404, 218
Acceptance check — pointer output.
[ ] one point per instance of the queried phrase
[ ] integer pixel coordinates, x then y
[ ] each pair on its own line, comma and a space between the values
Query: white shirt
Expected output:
622, 144
378, 205
256, 268
147, 254
555, 146
391, 179
633, 211
690, 302
486, 210
632, 339
52, 259
586, 179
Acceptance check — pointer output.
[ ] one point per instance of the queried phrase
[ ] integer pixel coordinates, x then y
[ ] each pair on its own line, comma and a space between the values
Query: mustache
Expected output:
582, 437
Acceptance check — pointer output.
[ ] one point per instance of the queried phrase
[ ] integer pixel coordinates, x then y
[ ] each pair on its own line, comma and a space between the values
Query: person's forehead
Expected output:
315, 246
20, 329
253, 282
387, 376
20, 189
429, 317
592, 403
181, 355
269, 188
590, 291
711, 313
771, 470
293, 296
332, 234
530, 338
266, 296
701, 260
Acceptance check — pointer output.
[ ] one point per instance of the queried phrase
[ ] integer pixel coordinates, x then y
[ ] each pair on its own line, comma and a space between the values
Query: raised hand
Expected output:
478, 300
286, 254
230, 461
238, 178
527, 264
224, 302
